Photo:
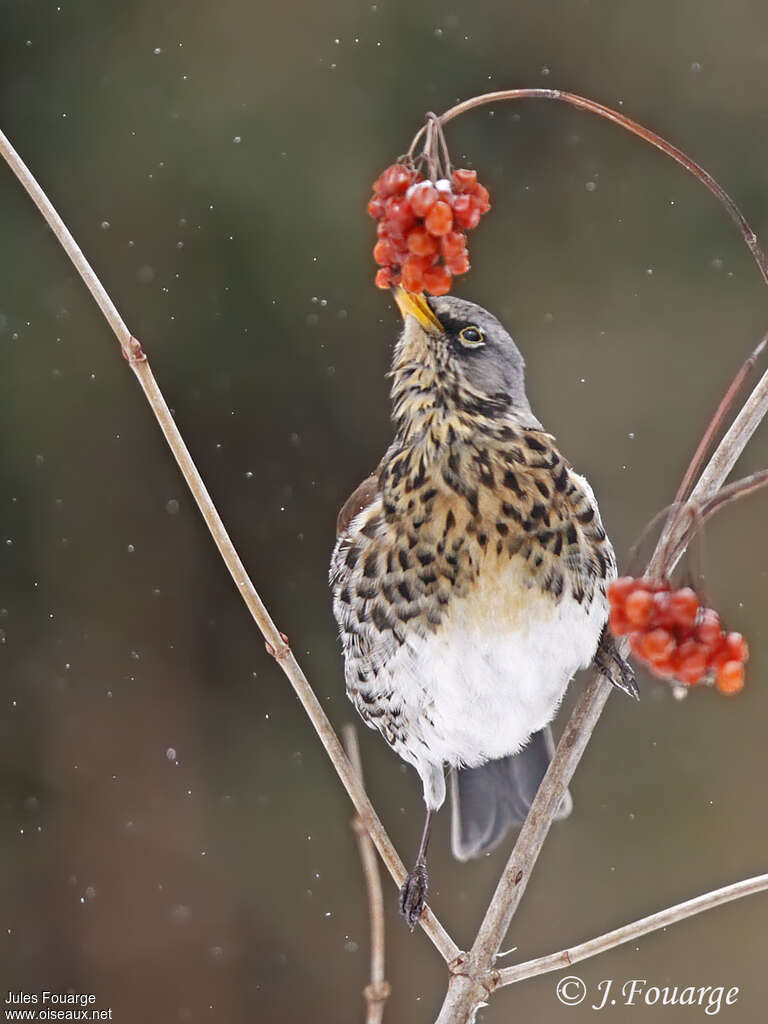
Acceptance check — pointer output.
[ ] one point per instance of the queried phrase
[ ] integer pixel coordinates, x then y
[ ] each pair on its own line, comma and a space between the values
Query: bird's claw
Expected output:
413, 895
617, 669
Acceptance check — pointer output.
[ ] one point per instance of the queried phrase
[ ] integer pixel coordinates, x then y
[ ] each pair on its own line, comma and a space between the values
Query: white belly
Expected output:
494, 673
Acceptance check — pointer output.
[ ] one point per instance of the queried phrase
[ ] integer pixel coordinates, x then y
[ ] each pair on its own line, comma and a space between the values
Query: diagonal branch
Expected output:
276, 642
628, 932
691, 517
377, 992
717, 420
713, 476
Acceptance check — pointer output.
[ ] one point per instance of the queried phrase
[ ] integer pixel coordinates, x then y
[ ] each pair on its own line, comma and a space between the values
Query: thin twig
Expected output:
717, 420
641, 131
697, 514
377, 992
276, 642
714, 475
628, 932
733, 492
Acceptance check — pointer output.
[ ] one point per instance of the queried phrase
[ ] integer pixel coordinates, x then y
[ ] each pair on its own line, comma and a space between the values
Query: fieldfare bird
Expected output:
469, 579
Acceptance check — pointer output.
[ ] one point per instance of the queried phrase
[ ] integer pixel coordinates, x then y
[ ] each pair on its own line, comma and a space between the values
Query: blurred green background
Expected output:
172, 837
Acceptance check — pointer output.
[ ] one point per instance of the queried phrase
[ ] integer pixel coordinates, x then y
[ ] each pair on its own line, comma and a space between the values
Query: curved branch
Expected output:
593, 107
628, 932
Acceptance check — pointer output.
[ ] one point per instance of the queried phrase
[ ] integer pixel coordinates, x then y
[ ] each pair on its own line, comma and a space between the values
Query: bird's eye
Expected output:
471, 337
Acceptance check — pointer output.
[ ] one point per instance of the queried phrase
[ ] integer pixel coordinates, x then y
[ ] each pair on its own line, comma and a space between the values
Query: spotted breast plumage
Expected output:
469, 578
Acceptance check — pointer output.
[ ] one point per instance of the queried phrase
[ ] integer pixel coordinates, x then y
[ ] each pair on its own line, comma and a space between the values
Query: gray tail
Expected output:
488, 800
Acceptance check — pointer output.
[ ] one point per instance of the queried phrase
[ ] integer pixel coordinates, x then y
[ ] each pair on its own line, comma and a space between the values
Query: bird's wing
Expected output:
360, 498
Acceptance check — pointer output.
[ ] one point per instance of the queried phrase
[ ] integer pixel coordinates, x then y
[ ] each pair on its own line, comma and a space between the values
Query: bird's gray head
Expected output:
460, 353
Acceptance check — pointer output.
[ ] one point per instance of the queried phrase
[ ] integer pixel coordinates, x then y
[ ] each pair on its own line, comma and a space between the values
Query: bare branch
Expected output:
628, 932
716, 422
733, 492
714, 475
691, 517
377, 992
276, 641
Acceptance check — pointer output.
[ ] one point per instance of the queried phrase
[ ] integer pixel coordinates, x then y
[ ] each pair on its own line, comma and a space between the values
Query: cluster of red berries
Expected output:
422, 242
674, 636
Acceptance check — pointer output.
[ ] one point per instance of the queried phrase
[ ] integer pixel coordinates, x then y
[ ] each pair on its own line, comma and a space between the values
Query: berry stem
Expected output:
435, 149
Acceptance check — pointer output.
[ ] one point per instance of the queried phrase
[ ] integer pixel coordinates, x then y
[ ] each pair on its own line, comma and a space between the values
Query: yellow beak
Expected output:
417, 307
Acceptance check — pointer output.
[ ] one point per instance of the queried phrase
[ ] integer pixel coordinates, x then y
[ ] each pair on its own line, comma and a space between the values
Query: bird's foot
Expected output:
413, 894
617, 669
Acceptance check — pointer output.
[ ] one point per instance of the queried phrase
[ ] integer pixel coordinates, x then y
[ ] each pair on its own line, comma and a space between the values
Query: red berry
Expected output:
376, 207
384, 277
661, 614
392, 233
690, 662
439, 220
636, 640
737, 647
400, 213
383, 253
463, 179
663, 667
423, 198
683, 607
465, 214
638, 608
458, 264
619, 590
453, 244
437, 280
732, 647
421, 242
618, 622
708, 629
395, 180
413, 276
658, 646
730, 677
422, 262
481, 198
